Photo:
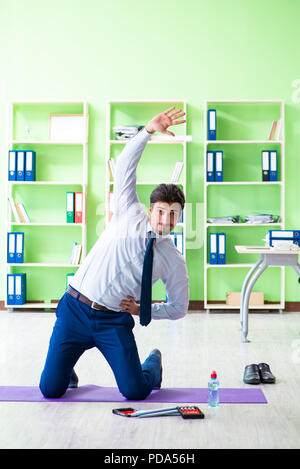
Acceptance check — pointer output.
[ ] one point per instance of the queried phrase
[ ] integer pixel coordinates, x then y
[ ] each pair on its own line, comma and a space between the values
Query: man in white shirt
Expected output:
98, 308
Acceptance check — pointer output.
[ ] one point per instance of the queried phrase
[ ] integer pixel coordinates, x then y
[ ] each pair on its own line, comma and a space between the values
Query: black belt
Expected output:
85, 300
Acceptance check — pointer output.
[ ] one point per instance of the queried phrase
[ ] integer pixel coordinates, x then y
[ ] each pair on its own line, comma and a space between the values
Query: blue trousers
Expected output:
79, 327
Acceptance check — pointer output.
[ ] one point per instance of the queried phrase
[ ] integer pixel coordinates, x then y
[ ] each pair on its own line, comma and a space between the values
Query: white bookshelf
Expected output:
78, 184
180, 140
221, 144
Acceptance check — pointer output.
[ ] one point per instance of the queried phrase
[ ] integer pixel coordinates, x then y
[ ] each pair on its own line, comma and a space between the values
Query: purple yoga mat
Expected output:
92, 393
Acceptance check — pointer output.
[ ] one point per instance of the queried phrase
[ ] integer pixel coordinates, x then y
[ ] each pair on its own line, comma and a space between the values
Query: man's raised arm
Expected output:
125, 178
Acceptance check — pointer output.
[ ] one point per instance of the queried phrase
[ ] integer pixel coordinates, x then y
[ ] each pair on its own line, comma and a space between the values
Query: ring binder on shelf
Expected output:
265, 165
30, 166
213, 248
219, 166
221, 248
210, 166
20, 165
211, 124
12, 165
273, 165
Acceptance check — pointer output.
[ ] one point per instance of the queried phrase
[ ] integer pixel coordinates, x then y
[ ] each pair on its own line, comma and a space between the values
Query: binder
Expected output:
179, 242
11, 247
30, 166
12, 165
265, 165
10, 289
213, 248
19, 257
219, 166
284, 235
21, 165
211, 124
173, 238
78, 207
210, 166
273, 165
70, 207
20, 289
221, 248
181, 217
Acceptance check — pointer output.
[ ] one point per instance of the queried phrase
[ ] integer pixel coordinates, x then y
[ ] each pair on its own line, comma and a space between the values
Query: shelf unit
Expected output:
37, 114
254, 147
139, 112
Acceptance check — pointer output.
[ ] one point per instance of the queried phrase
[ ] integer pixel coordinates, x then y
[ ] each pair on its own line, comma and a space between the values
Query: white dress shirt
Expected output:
113, 267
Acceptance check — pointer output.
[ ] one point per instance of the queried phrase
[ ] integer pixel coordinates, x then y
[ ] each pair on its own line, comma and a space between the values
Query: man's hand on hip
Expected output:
130, 306
165, 119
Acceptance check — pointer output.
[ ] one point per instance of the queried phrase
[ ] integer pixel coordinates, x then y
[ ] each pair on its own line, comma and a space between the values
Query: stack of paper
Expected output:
126, 131
261, 218
225, 220
75, 255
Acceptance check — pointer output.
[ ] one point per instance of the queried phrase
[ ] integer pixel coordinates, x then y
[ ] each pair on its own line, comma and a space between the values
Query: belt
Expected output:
85, 300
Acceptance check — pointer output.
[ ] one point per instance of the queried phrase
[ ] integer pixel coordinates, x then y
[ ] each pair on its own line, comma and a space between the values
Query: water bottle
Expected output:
213, 390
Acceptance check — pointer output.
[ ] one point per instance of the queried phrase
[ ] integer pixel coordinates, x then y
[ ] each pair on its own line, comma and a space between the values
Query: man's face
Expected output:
163, 216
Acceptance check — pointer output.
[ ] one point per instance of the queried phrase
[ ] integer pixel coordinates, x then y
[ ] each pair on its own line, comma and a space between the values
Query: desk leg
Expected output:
261, 269
245, 284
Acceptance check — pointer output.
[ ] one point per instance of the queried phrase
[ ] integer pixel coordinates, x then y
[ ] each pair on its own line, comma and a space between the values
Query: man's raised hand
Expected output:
165, 119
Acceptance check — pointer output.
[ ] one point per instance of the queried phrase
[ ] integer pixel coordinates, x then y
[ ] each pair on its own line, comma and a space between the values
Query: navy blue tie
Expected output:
146, 288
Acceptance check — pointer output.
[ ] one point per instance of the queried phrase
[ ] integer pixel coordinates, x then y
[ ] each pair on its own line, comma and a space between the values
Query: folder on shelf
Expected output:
111, 169
265, 165
21, 156
70, 207
76, 253
20, 289
211, 124
210, 166
19, 257
22, 213
110, 205
14, 209
10, 289
78, 207
213, 248
176, 171
68, 279
221, 248
30, 166
11, 247
284, 236
12, 165
273, 165
219, 166
179, 242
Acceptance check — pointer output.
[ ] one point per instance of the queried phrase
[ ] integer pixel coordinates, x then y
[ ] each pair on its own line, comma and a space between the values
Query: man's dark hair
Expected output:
169, 193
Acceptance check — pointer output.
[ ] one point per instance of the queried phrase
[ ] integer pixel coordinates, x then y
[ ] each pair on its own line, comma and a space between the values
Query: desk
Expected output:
268, 256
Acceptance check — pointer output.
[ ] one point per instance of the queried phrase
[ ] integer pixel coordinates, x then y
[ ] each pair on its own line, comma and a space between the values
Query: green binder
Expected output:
70, 207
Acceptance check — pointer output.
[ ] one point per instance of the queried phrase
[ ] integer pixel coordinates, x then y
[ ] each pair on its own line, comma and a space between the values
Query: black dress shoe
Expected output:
158, 354
73, 380
265, 373
251, 374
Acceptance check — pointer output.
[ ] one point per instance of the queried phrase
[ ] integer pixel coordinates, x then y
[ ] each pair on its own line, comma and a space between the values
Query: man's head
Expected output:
166, 204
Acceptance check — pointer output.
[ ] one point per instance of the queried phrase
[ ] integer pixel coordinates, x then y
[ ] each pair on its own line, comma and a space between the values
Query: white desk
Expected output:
268, 256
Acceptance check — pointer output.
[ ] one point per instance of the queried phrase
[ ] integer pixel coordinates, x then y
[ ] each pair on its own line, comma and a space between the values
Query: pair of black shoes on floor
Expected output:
256, 374
74, 378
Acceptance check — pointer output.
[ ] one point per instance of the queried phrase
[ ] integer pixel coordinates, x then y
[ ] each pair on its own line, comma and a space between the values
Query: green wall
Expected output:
127, 49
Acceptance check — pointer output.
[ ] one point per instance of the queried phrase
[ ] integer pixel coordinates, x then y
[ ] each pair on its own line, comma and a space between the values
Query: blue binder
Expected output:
179, 242
287, 235
19, 257
20, 289
181, 217
210, 166
12, 165
221, 248
273, 165
11, 247
11, 289
21, 156
219, 166
211, 124
213, 248
30, 166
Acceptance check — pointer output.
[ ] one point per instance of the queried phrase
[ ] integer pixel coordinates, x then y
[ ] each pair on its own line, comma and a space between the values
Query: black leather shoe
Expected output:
73, 380
251, 374
158, 354
265, 373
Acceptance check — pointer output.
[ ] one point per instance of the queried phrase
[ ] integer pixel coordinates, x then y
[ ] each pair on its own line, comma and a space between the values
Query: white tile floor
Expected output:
191, 348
